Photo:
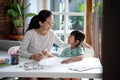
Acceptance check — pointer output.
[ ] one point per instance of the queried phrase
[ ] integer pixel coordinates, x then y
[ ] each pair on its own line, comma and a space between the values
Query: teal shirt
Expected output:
68, 52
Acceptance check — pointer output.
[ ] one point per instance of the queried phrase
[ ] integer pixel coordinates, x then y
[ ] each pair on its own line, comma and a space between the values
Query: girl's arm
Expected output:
78, 58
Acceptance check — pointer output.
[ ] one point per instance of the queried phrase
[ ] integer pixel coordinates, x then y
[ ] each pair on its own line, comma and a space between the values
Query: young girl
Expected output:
75, 51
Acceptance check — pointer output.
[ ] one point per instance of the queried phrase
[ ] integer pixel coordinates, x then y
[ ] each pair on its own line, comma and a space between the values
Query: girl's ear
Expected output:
77, 42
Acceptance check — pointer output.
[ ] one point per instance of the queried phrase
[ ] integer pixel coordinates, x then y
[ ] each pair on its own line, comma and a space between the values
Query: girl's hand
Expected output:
78, 58
66, 61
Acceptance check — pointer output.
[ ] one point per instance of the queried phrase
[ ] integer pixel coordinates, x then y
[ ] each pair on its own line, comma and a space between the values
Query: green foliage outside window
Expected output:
78, 21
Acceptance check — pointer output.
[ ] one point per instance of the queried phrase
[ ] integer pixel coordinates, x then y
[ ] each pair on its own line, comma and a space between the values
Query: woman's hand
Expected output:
37, 57
47, 54
86, 45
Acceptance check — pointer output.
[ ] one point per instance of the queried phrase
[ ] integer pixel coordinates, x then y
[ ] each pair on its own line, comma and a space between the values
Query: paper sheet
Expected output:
83, 68
53, 61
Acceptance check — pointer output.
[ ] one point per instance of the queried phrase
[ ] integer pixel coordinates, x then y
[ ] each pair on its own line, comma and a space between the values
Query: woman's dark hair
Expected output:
33, 23
78, 36
42, 16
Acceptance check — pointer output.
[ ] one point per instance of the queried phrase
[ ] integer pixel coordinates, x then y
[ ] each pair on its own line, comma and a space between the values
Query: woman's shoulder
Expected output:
30, 32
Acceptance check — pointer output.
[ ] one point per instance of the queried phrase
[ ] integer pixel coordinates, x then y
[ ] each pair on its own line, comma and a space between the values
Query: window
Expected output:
68, 15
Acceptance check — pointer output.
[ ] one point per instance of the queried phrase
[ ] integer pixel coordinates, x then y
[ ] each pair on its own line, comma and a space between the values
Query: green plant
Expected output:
18, 23
78, 21
16, 12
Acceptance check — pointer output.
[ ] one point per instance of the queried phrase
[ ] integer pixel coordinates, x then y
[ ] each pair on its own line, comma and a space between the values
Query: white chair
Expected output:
6, 44
89, 52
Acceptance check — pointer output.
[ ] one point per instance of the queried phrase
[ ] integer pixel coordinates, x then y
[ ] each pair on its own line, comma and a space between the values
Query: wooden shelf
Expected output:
13, 37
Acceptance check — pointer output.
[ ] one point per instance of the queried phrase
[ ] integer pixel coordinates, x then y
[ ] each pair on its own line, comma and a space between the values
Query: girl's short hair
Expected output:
79, 35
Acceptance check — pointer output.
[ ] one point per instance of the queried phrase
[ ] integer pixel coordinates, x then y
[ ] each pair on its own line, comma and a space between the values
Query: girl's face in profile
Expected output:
71, 39
47, 25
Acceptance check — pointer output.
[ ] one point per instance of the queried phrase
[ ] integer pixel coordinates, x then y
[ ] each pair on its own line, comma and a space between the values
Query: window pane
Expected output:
76, 5
57, 5
73, 22
76, 22
58, 22
58, 25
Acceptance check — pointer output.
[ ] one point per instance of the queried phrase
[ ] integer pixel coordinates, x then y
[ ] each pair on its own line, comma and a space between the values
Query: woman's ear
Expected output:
40, 23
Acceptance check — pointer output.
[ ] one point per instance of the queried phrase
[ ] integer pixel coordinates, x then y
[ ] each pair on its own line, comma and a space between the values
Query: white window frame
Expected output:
66, 14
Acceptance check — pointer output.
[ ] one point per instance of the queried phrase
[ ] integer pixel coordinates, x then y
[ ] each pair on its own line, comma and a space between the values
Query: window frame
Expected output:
66, 14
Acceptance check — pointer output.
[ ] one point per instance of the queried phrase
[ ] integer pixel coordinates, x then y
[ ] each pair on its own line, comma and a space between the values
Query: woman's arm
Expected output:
59, 42
47, 54
23, 47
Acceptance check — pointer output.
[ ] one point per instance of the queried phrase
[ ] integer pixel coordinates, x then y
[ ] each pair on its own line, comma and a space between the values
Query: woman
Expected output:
39, 38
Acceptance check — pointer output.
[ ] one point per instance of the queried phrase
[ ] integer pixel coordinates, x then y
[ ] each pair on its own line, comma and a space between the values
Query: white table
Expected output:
54, 71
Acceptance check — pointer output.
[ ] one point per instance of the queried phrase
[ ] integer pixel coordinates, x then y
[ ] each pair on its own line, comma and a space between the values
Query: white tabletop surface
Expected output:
87, 68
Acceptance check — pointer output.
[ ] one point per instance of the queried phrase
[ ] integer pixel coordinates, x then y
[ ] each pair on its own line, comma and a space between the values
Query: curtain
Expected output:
95, 32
